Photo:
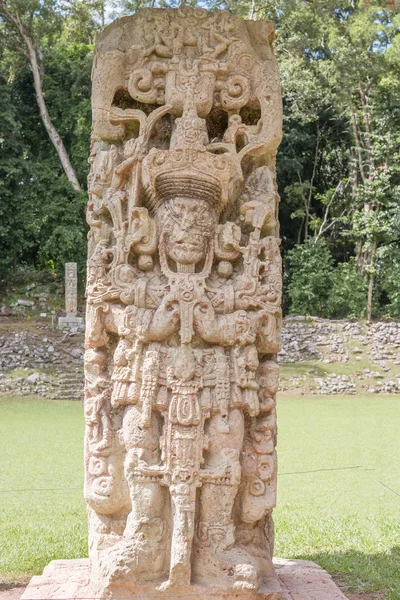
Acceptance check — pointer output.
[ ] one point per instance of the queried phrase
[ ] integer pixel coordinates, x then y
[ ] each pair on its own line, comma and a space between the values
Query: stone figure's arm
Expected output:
149, 324
226, 330
165, 321
206, 323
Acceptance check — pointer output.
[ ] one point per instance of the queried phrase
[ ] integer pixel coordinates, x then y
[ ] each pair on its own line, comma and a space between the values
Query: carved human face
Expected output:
188, 226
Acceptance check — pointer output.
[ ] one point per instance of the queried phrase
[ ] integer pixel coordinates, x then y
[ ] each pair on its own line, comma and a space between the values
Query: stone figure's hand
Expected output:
205, 321
165, 321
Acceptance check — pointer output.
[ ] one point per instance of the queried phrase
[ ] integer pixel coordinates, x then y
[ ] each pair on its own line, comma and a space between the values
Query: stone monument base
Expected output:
71, 322
296, 580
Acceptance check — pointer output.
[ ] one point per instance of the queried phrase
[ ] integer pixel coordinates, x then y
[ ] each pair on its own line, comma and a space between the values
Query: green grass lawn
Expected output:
338, 495
338, 457
42, 511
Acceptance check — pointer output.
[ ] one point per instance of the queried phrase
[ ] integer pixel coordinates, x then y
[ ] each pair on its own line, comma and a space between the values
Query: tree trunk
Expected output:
306, 221
306, 209
44, 113
252, 9
47, 122
353, 172
309, 198
369, 299
367, 127
358, 145
299, 231
371, 281
103, 14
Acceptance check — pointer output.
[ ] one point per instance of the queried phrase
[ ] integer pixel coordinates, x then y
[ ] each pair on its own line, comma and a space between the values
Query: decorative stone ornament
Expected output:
183, 307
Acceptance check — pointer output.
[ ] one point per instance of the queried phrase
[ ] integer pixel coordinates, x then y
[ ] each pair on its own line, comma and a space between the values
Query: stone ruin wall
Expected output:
183, 306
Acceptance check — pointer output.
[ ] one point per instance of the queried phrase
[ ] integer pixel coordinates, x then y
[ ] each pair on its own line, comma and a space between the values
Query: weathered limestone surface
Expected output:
183, 307
297, 579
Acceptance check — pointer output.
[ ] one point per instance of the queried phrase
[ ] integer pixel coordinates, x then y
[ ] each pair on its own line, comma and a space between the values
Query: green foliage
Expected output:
42, 218
349, 291
310, 272
338, 167
388, 269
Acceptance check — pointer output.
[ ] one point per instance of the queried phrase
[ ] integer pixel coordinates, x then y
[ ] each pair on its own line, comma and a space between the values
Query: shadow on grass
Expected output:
357, 572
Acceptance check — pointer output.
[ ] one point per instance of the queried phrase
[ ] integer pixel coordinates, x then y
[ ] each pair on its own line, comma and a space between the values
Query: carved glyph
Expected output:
183, 305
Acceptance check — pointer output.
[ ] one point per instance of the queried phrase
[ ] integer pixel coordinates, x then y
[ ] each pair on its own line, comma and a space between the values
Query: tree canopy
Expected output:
338, 165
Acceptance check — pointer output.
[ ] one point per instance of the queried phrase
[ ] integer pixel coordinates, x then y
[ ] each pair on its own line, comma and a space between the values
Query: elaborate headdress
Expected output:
189, 173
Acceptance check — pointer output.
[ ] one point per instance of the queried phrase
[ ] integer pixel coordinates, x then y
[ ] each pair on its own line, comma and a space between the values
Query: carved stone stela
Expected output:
183, 307
71, 289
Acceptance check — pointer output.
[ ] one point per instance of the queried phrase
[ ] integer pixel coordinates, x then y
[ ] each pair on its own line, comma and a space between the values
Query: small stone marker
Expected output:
71, 289
71, 320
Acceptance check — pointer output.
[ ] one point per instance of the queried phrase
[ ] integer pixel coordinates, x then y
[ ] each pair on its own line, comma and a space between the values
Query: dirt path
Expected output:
11, 593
